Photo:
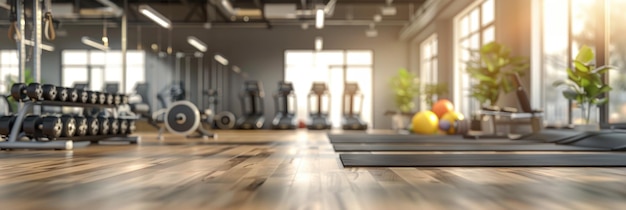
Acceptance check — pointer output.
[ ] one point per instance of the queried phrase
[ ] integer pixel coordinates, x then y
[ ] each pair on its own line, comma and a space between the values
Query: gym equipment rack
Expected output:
61, 143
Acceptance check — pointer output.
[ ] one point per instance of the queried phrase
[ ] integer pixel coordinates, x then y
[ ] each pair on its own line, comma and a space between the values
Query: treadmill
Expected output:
285, 103
351, 113
318, 114
252, 105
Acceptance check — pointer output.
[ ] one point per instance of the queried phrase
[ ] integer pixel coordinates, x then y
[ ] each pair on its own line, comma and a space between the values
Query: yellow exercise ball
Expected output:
451, 118
425, 122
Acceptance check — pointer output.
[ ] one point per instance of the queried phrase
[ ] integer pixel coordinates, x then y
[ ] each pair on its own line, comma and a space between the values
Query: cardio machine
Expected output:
351, 119
318, 114
252, 105
285, 103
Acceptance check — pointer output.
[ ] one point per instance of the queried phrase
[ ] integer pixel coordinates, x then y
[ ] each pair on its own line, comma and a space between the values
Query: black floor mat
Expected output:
413, 138
463, 147
484, 160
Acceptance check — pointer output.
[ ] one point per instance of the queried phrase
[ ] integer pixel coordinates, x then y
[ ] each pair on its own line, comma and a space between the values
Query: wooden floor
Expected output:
280, 170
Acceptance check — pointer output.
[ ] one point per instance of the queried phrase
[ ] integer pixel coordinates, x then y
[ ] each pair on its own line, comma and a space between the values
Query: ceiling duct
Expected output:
290, 11
68, 10
227, 9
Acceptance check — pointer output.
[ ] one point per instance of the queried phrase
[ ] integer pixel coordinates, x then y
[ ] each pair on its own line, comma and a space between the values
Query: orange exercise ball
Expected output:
425, 122
442, 107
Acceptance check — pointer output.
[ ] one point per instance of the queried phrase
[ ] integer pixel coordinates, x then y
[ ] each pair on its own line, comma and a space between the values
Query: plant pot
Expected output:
400, 121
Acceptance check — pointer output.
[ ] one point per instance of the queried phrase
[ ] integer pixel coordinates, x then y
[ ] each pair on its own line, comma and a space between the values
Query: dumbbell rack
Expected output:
61, 143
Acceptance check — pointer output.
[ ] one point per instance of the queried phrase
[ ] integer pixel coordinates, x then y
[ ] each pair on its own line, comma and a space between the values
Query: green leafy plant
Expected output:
405, 86
493, 69
585, 83
432, 92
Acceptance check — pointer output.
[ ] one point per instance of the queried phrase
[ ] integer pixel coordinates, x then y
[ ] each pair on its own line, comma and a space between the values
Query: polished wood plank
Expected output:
280, 170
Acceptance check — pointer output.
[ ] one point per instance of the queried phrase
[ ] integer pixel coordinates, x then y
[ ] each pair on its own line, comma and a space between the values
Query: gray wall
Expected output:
257, 51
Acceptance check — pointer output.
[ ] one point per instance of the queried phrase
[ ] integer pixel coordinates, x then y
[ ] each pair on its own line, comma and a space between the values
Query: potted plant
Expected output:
585, 83
493, 68
432, 92
405, 86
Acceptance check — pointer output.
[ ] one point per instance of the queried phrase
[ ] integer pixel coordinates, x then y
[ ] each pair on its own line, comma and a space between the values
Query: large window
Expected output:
333, 67
9, 69
98, 68
473, 28
428, 72
565, 27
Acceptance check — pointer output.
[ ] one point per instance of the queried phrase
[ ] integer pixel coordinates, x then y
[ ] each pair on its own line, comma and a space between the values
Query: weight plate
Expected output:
131, 127
18, 91
104, 125
81, 126
49, 92
34, 91
51, 127
82, 96
69, 126
6, 124
31, 124
114, 126
123, 126
182, 118
93, 126
225, 120
93, 97
62, 94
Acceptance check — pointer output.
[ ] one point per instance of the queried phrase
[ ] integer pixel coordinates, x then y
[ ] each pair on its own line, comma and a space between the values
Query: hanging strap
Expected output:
48, 21
14, 32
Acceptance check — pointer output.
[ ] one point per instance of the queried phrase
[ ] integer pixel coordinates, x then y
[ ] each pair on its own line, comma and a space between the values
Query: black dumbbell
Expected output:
92, 97
117, 99
104, 125
82, 96
109, 98
72, 95
34, 91
93, 126
102, 97
131, 126
123, 126
6, 124
49, 92
114, 126
69, 126
124, 99
18, 91
81, 126
62, 94
48, 126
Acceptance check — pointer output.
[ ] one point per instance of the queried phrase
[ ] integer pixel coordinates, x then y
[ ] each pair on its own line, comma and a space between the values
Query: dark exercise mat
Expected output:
484, 160
465, 147
400, 138
606, 139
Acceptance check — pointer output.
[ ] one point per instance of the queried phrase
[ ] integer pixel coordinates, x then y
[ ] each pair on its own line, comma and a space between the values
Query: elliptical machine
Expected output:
222, 119
285, 103
351, 119
252, 105
318, 115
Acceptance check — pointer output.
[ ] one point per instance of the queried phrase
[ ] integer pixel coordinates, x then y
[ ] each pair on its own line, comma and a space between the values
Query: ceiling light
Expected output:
388, 9
93, 44
155, 16
45, 47
318, 43
371, 32
236, 69
219, 58
195, 42
319, 19
378, 18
